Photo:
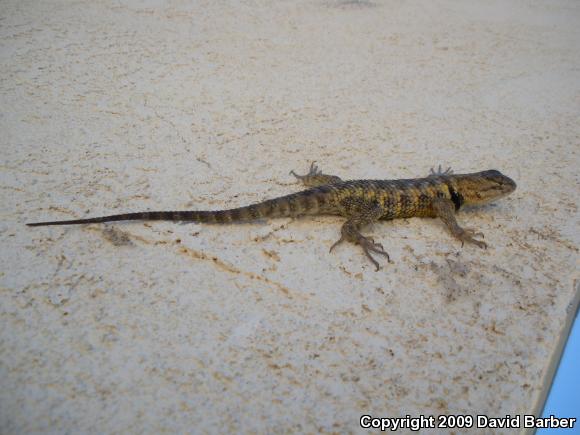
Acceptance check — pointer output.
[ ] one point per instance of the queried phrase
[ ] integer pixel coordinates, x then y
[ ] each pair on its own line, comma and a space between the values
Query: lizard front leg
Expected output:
315, 177
445, 210
366, 213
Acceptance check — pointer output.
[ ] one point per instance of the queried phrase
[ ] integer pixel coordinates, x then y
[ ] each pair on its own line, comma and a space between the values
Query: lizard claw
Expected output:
368, 244
468, 235
335, 244
313, 168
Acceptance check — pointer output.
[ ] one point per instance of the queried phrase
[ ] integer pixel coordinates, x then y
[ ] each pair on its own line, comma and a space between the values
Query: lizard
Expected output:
362, 202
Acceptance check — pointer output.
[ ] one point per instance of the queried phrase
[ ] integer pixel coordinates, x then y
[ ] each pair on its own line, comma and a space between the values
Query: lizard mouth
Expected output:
511, 185
504, 186
507, 186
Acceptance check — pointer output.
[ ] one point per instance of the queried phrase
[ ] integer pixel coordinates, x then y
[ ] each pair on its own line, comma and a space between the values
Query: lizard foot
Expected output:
368, 245
468, 235
315, 177
314, 171
440, 171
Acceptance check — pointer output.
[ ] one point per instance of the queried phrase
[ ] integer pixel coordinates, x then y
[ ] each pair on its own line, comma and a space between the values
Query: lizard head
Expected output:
483, 187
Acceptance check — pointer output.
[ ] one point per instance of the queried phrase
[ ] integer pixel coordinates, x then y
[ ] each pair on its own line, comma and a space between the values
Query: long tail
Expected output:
305, 202
194, 216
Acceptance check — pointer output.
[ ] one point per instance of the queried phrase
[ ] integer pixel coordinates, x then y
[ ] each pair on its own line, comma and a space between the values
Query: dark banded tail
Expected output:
196, 216
306, 202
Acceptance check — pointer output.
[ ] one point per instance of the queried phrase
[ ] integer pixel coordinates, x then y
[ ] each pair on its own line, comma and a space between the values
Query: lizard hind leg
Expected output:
350, 231
315, 177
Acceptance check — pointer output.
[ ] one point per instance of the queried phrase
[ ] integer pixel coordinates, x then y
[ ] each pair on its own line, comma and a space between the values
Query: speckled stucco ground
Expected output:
117, 106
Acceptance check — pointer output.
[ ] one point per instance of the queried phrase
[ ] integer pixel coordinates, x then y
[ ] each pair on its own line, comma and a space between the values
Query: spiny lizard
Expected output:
362, 202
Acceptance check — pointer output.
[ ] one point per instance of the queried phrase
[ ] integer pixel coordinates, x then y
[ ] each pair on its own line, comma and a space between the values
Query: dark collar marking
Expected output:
455, 197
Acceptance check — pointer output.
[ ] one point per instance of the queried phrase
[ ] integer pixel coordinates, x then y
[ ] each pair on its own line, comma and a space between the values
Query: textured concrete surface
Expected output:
115, 106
